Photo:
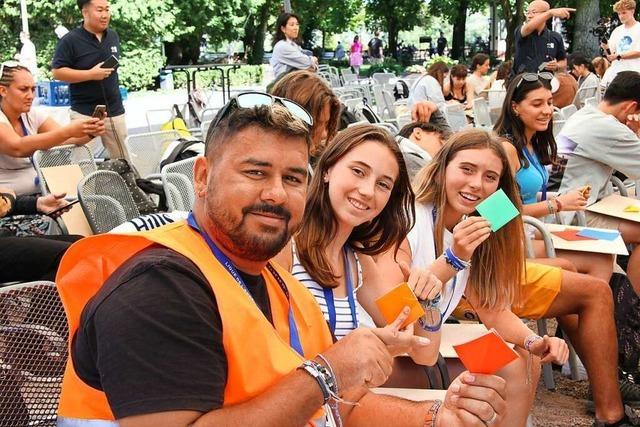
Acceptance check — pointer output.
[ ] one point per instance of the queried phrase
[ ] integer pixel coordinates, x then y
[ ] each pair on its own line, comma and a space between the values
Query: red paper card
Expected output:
570, 235
392, 303
486, 354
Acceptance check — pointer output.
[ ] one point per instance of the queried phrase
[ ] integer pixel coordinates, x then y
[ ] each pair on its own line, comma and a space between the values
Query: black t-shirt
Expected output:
533, 50
151, 338
374, 47
80, 50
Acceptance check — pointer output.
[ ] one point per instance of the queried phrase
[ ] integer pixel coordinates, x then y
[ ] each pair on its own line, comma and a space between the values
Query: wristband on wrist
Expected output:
530, 340
313, 369
550, 207
558, 204
456, 263
334, 379
432, 413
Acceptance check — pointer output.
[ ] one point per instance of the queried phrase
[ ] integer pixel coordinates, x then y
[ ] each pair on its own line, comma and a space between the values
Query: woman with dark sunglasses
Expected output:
527, 125
24, 130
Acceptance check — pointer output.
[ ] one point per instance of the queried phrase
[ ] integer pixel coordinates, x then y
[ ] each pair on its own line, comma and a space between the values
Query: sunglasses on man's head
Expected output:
534, 77
257, 99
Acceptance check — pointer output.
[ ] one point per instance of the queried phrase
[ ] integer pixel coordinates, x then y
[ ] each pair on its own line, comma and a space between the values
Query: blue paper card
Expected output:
498, 210
599, 234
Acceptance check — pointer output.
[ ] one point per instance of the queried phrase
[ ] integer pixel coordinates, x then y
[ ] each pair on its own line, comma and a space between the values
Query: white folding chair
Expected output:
583, 94
568, 111
481, 114
382, 78
593, 101
456, 117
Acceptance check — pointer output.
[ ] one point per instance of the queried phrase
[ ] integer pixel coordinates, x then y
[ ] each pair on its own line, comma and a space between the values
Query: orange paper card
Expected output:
486, 354
392, 303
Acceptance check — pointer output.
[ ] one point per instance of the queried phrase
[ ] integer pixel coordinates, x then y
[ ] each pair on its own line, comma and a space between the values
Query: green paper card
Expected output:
498, 210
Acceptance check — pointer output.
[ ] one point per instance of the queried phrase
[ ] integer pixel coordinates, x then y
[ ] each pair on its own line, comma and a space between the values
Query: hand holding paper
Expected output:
398, 340
393, 303
498, 210
487, 354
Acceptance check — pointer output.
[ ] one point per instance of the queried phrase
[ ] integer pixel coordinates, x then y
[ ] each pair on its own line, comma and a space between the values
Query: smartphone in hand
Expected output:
99, 111
65, 207
111, 62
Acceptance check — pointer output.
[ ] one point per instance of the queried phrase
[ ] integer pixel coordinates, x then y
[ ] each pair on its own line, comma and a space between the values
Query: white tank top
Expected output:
344, 322
423, 253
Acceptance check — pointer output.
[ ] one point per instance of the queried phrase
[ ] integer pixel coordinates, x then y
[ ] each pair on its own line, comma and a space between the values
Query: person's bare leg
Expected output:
594, 264
520, 395
594, 338
631, 234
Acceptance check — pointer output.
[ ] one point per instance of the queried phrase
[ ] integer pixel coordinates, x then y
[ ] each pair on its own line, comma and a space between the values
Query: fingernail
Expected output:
469, 378
455, 388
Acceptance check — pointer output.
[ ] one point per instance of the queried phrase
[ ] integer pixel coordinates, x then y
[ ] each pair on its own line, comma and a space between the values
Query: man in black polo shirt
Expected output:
77, 60
536, 44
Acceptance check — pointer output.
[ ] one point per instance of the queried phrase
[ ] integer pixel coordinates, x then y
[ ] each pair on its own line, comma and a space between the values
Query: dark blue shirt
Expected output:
533, 50
81, 50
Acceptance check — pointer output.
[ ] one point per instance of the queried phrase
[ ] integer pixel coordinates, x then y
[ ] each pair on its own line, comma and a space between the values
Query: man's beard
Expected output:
253, 246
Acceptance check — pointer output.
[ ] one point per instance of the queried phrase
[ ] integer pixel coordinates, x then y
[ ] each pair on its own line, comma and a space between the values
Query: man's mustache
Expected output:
270, 209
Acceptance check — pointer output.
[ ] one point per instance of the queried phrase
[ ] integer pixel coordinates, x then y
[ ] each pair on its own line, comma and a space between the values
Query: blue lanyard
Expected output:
294, 337
328, 297
455, 276
533, 161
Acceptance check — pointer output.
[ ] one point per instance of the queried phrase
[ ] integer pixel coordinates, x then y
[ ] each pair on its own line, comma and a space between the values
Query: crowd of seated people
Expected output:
379, 210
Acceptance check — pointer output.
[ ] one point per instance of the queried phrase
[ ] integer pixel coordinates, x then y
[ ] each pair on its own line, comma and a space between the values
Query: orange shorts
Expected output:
539, 289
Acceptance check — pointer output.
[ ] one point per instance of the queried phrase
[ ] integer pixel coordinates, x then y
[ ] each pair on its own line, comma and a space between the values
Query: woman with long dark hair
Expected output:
287, 53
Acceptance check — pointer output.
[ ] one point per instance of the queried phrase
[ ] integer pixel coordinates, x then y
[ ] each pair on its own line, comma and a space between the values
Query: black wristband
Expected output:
312, 369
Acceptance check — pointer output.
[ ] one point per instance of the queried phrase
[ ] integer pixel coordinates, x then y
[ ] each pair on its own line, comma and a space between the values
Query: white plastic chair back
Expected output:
382, 78
481, 113
177, 180
593, 101
146, 149
456, 117
33, 353
583, 94
568, 111
106, 201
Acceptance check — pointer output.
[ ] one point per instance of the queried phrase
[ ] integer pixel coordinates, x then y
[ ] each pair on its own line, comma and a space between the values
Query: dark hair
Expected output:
82, 3
282, 20
8, 74
407, 130
580, 59
356, 38
511, 126
478, 60
437, 70
624, 87
504, 70
274, 118
319, 226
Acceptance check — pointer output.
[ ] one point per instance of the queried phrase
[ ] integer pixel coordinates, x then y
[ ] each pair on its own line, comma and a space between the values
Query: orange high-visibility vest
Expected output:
258, 352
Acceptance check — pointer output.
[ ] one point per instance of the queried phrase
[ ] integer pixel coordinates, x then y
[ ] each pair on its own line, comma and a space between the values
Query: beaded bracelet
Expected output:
455, 262
432, 414
313, 369
550, 207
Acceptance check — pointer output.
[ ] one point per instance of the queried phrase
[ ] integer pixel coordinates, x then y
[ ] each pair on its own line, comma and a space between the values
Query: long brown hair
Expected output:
497, 265
512, 127
319, 224
437, 70
312, 92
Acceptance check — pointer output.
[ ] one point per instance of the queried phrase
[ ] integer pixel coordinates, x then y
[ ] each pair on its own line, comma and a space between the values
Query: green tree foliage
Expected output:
394, 16
456, 12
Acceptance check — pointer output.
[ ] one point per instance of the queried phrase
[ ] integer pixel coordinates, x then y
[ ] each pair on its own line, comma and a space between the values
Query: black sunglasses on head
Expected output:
256, 99
534, 77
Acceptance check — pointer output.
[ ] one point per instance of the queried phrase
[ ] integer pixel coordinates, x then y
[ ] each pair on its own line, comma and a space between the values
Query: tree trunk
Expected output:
249, 38
514, 18
587, 14
459, 29
261, 29
392, 31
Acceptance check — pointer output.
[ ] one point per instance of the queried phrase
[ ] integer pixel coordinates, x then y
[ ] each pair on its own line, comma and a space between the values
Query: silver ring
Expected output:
492, 419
